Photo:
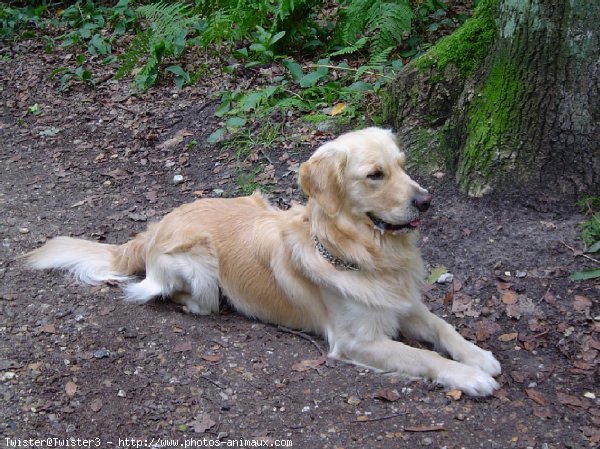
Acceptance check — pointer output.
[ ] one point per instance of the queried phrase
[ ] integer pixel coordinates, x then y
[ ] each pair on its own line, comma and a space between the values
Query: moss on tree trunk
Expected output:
510, 100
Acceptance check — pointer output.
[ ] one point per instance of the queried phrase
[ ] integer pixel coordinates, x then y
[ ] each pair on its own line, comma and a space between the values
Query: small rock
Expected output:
589, 395
71, 388
328, 126
353, 400
178, 179
427, 441
445, 278
122, 394
7, 376
521, 274
23, 231
96, 405
101, 353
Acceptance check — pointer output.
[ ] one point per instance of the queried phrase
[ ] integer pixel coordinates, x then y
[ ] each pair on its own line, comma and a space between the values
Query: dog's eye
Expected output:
376, 175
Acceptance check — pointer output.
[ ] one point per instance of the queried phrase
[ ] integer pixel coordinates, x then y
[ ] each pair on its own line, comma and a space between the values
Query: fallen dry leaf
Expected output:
184, 347
71, 388
518, 376
463, 306
542, 412
508, 297
151, 196
177, 139
362, 418
449, 298
117, 173
508, 337
338, 108
106, 310
213, 358
592, 434
454, 394
202, 423
549, 297
305, 365
581, 303
574, 401
387, 394
513, 311
535, 396
49, 329
484, 329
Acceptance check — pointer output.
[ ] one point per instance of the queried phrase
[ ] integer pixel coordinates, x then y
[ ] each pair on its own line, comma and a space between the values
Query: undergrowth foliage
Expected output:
590, 236
382, 23
323, 54
165, 35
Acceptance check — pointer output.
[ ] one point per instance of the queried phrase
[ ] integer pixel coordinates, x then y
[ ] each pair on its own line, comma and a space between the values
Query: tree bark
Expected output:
510, 100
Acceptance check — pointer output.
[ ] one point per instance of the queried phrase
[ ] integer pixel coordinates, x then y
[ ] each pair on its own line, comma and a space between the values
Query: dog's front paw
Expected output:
484, 360
471, 380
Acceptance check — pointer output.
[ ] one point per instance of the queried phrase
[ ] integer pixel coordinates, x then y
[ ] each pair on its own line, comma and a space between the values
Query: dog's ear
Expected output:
321, 178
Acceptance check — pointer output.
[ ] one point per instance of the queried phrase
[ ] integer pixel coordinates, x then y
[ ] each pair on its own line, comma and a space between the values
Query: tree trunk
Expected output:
510, 100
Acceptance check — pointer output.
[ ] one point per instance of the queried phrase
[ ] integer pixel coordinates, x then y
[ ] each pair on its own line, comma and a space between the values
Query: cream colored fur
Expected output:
266, 263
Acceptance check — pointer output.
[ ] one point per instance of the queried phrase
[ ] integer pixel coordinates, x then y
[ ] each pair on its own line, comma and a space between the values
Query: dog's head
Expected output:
361, 174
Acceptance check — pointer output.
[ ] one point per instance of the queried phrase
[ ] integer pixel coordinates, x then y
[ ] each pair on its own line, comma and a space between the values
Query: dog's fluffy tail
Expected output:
90, 262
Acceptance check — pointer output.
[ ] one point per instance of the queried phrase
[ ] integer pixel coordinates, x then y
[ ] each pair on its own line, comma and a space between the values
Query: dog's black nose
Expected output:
422, 201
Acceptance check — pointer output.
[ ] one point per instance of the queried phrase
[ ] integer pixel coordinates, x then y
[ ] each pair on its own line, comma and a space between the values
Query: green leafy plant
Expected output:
590, 235
262, 48
69, 74
382, 22
236, 20
165, 36
246, 180
85, 20
15, 22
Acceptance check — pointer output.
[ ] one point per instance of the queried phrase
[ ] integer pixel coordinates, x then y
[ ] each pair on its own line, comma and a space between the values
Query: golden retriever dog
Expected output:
345, 266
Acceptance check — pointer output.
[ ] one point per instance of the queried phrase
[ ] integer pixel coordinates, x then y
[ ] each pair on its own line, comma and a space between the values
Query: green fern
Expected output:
348, 50
382, 57
235, 20
137, 50
169, 25
384, 22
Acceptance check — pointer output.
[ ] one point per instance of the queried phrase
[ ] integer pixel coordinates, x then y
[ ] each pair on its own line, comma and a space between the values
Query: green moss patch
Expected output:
468, 45
492, 122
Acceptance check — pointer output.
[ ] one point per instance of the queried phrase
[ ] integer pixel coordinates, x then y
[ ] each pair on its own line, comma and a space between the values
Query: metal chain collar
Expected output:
333, 260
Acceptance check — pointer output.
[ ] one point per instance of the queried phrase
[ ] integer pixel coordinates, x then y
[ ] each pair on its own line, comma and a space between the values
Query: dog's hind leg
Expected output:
197, 269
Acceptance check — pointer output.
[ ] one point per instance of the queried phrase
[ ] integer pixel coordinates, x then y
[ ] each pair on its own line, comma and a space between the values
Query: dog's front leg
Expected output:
396, 357
421, 324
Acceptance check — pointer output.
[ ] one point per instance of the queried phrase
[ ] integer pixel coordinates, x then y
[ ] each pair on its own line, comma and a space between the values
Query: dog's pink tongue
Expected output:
416, 222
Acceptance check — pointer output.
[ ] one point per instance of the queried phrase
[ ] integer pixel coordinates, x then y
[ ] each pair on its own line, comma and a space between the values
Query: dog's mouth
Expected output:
383, 226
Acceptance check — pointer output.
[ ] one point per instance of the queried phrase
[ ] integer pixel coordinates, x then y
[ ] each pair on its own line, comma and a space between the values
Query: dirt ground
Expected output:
79, 362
